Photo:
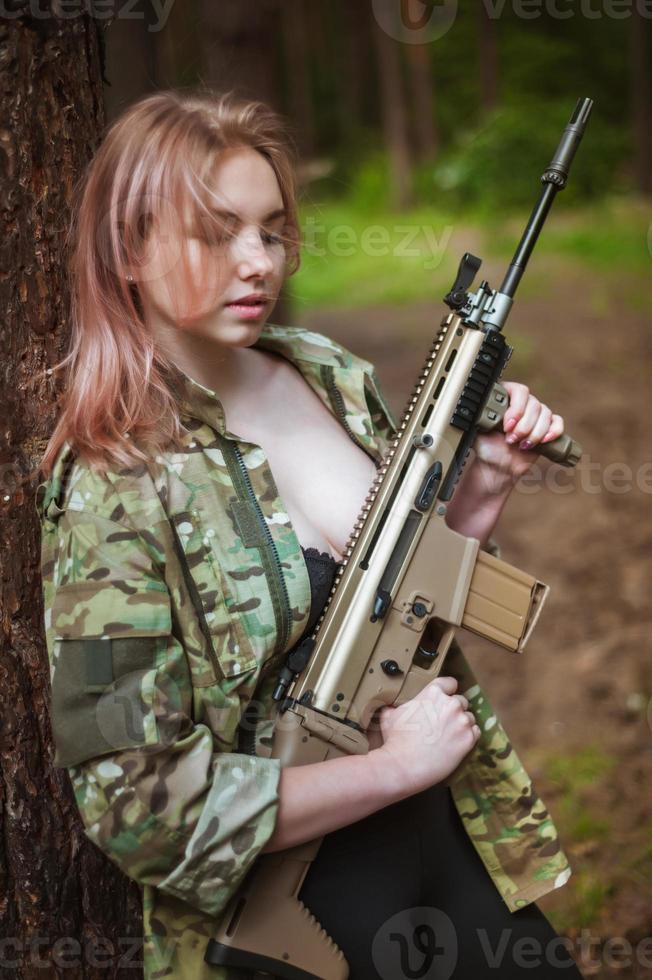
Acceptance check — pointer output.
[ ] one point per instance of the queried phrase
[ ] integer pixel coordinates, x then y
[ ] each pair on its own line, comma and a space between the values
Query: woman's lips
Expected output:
247, 311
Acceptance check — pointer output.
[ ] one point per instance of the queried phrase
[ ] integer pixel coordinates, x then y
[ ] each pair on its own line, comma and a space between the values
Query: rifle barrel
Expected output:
554, 179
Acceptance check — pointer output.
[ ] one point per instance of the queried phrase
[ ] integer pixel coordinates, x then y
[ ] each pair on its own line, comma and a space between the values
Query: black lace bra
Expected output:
322, 568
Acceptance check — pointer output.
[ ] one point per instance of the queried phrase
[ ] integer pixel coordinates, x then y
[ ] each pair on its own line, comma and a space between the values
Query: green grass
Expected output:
573, 771
359, 258
573, 774
589, 895
355, 256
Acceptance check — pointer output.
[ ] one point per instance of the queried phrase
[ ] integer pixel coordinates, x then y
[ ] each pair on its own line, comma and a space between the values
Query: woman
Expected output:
200, 487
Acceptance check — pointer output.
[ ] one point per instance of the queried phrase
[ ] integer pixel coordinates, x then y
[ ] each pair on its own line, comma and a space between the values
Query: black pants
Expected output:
405, 895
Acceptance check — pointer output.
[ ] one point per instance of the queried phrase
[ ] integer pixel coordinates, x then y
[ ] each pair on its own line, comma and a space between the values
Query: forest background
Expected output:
420, 138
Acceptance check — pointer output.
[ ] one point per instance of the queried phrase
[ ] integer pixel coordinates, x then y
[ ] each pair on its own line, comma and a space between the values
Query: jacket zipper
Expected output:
327, 373
269, 556
273, 570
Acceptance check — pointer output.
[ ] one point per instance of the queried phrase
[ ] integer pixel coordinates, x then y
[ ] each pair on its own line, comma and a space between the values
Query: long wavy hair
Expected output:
118, 403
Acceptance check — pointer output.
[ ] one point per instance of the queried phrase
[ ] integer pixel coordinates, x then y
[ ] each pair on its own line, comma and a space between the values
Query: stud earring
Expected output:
129, 277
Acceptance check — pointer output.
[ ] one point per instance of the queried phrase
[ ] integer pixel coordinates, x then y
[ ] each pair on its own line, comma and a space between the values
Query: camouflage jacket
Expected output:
171, 593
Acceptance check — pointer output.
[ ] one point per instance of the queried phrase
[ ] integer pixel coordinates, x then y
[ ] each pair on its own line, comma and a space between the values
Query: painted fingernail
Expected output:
511, 439
525, 445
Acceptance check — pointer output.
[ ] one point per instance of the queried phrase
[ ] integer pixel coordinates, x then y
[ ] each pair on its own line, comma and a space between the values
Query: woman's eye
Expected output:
272, 238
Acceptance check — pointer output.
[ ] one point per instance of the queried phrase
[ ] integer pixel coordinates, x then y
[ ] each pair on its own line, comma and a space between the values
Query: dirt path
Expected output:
585, 676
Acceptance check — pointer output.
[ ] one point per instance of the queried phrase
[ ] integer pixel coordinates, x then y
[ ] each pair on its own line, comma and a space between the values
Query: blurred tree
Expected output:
394, 117
422, 93
238, 48
298, 90
354, 67
641, 99
131, 62
488, 59
56, 885
177, 49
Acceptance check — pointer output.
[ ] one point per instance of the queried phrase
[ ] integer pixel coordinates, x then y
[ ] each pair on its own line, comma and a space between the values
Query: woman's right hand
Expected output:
426, 738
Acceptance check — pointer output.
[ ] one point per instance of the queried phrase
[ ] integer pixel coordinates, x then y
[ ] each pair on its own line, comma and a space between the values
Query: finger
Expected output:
556, 429
463, 701
539, 429
526, 422
470, 717
518, 396
447, 684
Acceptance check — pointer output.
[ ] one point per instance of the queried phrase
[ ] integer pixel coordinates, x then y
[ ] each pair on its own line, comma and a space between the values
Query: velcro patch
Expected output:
248, 524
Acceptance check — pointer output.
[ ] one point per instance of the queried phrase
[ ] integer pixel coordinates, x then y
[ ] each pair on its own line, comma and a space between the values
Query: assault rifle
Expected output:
406, 583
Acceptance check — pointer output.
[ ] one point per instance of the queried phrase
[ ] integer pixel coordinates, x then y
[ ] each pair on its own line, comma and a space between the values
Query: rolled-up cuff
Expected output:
235, 824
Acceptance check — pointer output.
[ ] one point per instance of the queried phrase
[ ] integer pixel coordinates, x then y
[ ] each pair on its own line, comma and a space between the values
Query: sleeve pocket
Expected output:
108, 646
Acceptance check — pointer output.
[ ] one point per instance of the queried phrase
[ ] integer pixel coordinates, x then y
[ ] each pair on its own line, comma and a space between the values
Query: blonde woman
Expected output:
198, 493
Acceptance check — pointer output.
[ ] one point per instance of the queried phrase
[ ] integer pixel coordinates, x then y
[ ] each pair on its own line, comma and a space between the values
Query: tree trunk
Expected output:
641, 99
488, 58
62, 903
394, 117
422, 91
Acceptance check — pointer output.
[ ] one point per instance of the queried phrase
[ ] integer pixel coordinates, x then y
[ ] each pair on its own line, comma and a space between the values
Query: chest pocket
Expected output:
218, 610
241, 561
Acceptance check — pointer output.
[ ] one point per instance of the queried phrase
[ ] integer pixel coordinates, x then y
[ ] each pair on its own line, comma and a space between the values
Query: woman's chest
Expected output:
242, 505
320, 474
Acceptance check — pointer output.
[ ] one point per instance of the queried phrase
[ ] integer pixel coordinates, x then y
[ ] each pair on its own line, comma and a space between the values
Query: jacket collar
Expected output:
308, 351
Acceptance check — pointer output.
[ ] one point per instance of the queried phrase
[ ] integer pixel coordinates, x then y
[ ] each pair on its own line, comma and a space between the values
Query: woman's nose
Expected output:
252, 256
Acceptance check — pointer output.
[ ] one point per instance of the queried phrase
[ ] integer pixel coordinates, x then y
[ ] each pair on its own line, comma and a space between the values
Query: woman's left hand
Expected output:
501, 458
527, 423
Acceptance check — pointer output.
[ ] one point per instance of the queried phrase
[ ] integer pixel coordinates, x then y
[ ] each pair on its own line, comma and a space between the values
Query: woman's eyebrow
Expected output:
277, 213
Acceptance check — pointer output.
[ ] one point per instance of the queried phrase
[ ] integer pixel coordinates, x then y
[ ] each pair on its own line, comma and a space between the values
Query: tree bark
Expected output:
62, 903
641, 99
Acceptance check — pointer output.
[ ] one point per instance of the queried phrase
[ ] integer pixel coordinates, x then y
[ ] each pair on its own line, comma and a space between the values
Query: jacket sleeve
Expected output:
153, 793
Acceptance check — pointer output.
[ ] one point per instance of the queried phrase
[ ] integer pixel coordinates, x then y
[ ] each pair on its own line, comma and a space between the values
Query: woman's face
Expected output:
244, 260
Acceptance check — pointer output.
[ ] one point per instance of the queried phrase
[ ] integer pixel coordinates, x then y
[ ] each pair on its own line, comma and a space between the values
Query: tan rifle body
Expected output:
436, 580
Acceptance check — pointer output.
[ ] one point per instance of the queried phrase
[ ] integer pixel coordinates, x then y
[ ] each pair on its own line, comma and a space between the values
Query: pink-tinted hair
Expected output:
118, 405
